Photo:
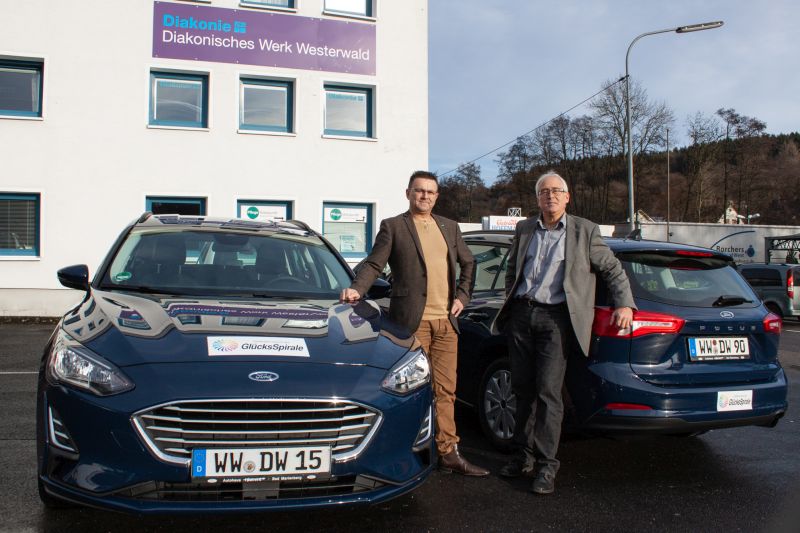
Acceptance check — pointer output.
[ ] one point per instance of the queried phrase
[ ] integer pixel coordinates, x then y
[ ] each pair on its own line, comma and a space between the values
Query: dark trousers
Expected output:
539, 340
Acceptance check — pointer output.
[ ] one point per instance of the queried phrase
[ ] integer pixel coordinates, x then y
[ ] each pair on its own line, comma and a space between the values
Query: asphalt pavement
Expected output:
741, 479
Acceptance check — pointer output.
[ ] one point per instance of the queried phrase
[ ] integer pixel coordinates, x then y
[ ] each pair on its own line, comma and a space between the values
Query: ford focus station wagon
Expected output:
702, 352
210, 367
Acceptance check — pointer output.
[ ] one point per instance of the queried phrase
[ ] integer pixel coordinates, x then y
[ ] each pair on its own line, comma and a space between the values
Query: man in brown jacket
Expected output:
422, 250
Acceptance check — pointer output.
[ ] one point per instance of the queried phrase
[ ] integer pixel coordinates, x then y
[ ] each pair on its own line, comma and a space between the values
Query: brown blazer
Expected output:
397, 244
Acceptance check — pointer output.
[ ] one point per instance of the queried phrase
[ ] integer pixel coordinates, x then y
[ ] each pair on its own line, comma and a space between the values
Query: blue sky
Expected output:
499, 69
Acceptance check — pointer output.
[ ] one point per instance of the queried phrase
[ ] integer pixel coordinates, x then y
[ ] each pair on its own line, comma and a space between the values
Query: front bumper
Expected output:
114, 469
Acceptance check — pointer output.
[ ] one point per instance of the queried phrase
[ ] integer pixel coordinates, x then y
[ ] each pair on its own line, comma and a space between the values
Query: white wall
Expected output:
93, 158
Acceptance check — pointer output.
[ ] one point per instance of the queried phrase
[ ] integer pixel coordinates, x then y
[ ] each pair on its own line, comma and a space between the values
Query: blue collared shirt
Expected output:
543, 269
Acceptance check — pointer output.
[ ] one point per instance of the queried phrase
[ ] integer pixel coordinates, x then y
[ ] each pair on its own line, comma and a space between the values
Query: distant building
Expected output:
308, 109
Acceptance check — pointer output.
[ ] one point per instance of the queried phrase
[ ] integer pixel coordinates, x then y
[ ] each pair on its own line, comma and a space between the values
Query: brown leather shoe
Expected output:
455, 462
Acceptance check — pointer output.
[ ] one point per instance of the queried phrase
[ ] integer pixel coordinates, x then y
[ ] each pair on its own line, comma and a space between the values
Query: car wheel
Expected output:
51, 502
497, 405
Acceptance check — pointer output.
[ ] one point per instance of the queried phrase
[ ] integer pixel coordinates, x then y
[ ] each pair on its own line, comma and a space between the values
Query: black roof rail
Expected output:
302, 225
145, 216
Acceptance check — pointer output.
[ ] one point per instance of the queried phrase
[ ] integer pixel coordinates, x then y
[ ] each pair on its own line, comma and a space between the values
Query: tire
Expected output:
497, 405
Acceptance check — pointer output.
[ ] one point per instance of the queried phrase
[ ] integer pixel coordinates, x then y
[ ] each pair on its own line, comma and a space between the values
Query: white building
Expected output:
307, 109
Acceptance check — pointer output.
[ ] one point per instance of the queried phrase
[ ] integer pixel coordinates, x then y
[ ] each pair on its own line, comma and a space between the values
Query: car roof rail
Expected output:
302, 225
145, 216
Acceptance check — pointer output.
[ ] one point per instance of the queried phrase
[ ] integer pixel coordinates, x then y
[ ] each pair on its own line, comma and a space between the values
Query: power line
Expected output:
534, 129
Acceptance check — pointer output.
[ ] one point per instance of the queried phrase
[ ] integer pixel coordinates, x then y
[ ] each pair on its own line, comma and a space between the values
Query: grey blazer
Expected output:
585, 254
397, 244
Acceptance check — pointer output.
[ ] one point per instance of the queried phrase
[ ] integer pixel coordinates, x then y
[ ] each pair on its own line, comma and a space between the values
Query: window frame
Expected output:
369, 92
288, 85
22, 252
369, 10
258, 4
25, 65
196, 200
368, 238
202, 78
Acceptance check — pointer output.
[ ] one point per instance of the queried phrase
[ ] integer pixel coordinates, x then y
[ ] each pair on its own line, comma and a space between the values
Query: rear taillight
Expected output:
644, 323
790, 283
773, 324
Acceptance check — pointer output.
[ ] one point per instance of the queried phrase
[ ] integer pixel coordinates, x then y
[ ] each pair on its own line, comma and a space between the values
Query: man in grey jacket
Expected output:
548, 312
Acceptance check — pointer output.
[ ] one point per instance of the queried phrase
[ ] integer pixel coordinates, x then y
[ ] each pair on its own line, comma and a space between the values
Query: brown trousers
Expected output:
440, 342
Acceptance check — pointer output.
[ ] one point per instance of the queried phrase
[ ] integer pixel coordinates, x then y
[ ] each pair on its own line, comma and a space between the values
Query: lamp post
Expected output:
680, 29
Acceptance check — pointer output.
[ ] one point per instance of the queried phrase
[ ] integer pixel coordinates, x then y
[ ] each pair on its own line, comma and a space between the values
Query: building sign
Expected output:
262, 212
204, 33
346, 214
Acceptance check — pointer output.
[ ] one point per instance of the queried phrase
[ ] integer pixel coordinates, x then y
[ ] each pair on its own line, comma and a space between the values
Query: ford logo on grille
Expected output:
726, 314
263, 376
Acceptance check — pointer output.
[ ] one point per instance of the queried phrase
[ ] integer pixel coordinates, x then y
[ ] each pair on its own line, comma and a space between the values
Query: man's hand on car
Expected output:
349, 296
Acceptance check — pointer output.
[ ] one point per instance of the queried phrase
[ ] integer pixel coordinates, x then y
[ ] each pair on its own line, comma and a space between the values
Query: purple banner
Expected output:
203, 33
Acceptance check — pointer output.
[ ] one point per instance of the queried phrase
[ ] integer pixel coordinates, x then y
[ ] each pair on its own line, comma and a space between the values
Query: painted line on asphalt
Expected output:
14, 373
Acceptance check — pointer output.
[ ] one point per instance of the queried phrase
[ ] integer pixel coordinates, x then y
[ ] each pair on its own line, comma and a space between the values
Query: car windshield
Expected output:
280, 264
686, 280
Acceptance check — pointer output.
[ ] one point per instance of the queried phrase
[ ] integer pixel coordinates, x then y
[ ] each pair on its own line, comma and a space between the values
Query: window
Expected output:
178, 100
269, 3
265, 105
490, 266
762, 277
263, 210
169, 205
350, 7
21, 88
348, 111
19, 224
348, 227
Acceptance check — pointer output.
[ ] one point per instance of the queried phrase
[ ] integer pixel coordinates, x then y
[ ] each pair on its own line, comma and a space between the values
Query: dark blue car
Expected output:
211, 368
702, 353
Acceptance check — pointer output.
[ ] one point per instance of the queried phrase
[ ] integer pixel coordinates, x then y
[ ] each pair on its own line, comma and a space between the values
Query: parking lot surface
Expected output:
743, 479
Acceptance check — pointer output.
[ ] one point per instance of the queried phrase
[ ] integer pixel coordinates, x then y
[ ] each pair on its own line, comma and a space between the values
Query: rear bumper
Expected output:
675, 410
668, 424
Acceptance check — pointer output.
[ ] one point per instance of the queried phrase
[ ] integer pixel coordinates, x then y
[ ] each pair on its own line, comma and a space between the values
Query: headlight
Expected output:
73, 364
412, 372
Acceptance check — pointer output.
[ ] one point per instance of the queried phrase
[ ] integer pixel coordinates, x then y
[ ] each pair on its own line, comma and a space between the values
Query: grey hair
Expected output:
550, 174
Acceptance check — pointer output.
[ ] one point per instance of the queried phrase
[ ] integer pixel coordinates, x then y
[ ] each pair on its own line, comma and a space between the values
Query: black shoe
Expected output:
516, 468
545, 483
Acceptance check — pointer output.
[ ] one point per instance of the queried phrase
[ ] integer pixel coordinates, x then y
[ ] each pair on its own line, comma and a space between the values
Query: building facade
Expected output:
291, 109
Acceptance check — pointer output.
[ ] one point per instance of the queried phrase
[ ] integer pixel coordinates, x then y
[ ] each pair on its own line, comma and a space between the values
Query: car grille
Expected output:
258, 491
173, 430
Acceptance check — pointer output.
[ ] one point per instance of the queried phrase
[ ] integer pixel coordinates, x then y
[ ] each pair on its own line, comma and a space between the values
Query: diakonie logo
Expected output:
225, 345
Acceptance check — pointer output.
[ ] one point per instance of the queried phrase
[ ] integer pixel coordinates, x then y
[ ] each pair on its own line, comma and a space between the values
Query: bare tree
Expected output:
704, 131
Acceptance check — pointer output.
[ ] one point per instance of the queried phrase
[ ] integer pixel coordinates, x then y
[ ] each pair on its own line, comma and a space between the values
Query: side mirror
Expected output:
75, 277
380, 289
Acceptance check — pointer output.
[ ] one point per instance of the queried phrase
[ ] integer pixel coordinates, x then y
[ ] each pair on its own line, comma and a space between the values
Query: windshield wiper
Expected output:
726, 300
139, 288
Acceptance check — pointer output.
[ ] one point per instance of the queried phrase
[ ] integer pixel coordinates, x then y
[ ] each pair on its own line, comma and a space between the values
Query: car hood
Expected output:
131, 329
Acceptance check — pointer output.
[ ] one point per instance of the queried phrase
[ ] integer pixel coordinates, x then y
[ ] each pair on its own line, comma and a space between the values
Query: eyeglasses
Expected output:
425, 191
551, 192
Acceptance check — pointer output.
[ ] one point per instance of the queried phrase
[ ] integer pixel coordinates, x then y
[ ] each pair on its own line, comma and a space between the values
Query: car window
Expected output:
219, 262
762, 277
490, 266
686, 281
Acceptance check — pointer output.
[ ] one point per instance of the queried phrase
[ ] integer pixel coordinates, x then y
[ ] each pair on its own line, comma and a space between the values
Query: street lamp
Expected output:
679, 29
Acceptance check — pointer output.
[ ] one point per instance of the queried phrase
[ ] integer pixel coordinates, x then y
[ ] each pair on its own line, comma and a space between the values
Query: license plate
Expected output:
305, 462
715, 348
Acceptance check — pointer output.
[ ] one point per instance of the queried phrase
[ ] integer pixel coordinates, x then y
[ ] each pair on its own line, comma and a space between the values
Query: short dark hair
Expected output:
423, 174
